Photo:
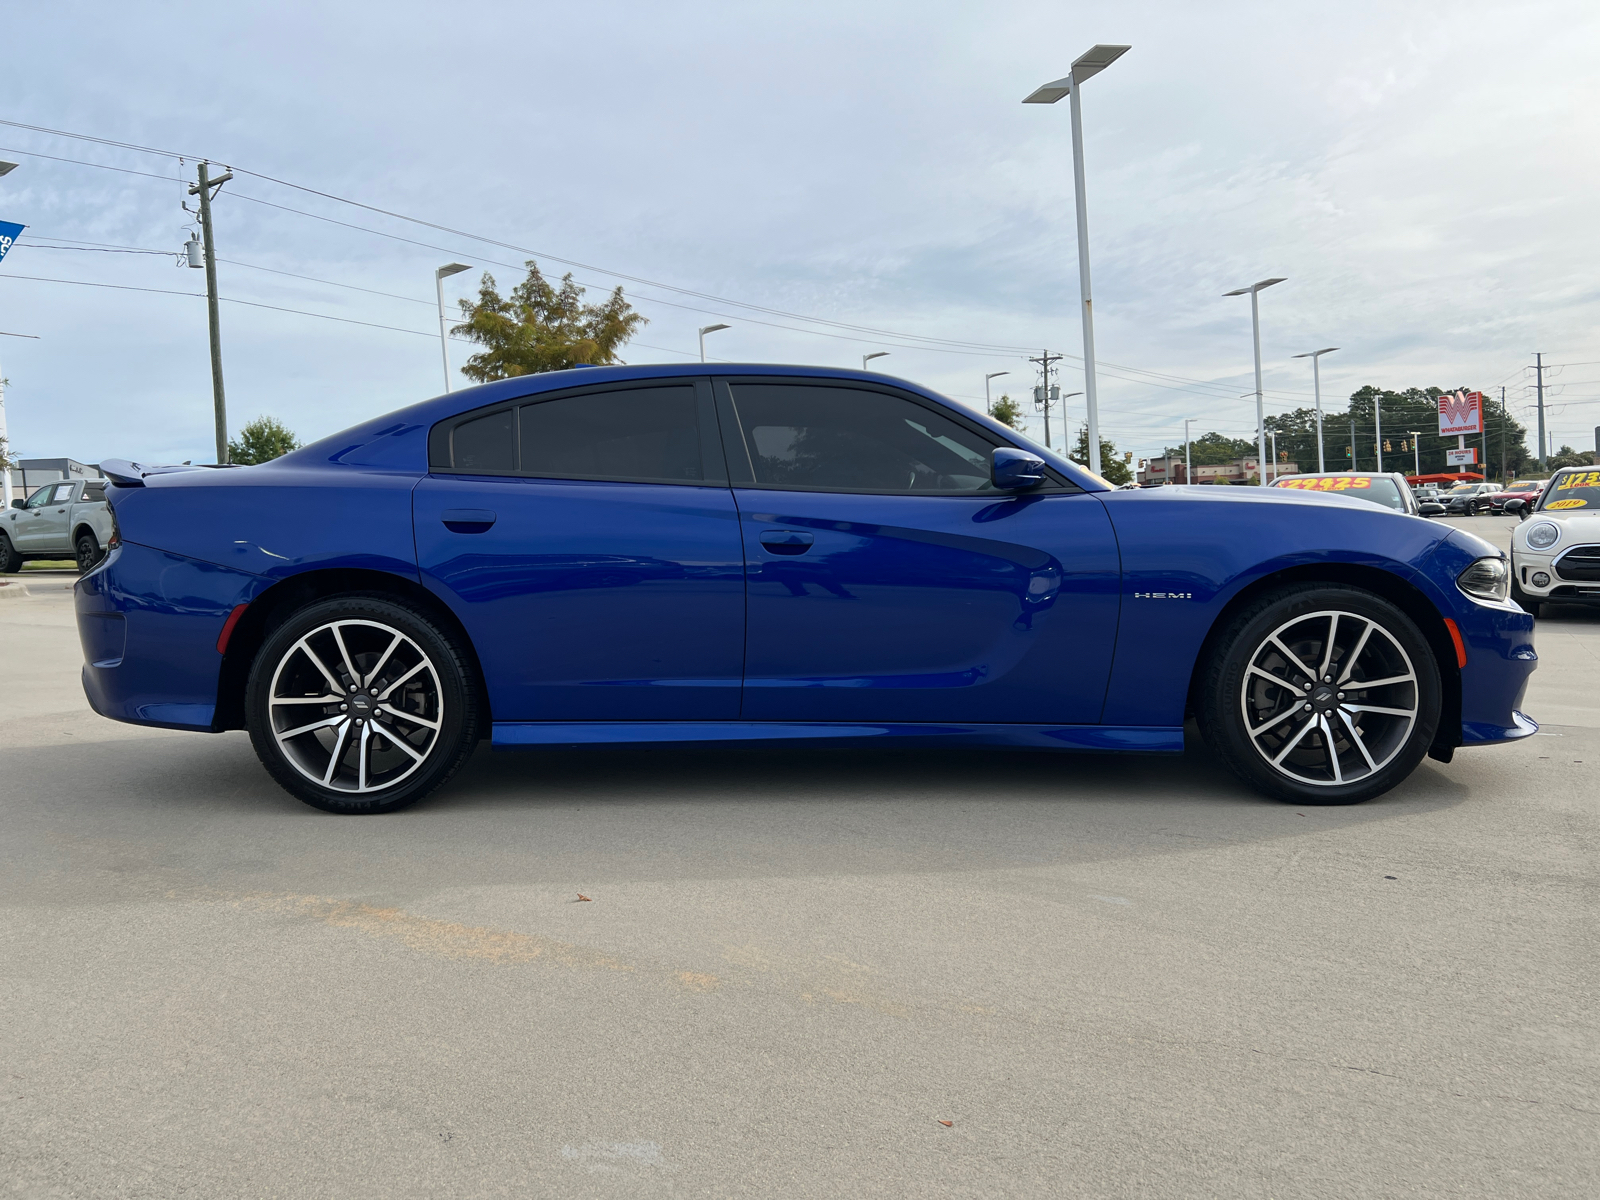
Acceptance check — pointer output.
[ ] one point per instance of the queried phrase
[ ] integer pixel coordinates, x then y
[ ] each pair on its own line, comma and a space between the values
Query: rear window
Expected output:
1571, 489
94, 492
1381, 492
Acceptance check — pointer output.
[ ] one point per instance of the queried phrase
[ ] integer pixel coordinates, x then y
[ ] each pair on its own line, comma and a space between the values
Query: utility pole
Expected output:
1504, 477
1042, 396
1352, 443
1273, 434
1188, 471
1538, 366
202, 189
1416, 451
1377, 412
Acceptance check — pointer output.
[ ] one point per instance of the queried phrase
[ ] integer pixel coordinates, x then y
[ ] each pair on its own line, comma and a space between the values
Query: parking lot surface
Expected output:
792, 973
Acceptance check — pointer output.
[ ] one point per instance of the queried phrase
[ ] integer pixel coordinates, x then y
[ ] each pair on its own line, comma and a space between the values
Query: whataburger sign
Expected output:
1460, 413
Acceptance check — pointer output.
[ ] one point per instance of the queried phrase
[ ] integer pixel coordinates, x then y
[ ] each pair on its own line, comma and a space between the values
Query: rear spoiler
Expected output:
123, 473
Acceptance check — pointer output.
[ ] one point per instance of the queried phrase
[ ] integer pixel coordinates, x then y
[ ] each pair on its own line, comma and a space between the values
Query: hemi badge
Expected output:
1163, 595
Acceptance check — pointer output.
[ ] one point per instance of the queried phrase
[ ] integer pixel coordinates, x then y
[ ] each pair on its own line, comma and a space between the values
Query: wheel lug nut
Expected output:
1341, 695
352, 687
1307, 707
343, 707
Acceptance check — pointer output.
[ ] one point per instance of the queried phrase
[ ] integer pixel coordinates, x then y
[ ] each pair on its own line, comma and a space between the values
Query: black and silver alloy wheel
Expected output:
1329, 698
1321, 694
87, 552
359, 705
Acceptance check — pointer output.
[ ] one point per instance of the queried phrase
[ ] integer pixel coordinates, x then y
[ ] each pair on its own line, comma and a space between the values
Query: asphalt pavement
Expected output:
791, 973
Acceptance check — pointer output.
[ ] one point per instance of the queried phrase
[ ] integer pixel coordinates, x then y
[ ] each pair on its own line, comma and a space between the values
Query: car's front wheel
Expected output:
1321, 694
357, 704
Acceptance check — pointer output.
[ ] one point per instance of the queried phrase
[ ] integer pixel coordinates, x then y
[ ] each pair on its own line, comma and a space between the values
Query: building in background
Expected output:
31, 474
1157, 471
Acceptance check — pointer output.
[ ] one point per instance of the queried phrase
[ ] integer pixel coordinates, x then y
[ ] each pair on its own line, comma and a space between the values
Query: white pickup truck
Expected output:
60, 520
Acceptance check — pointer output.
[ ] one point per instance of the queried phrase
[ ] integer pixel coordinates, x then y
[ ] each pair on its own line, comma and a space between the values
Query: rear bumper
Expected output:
149, 623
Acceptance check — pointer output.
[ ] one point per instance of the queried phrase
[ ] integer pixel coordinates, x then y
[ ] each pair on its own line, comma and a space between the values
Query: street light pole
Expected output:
1416, 452
1255, 332
1273, 434
1188, 469
1316, 383
1087, 65
866, 358
705, 330
439, 277
988, 406
5, 443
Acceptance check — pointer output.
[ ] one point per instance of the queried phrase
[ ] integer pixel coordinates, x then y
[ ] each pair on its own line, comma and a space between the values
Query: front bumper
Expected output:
149, 623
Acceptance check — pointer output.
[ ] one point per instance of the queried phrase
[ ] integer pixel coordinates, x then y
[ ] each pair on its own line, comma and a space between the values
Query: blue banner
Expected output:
9, 233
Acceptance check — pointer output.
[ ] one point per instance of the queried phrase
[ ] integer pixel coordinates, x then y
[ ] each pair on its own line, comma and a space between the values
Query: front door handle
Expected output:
468, 520
786, 541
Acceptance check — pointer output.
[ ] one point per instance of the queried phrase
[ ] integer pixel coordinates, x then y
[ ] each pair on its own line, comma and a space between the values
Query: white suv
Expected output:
1555, 551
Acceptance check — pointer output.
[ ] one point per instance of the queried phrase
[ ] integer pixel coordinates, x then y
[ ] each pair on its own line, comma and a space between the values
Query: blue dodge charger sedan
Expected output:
765, 554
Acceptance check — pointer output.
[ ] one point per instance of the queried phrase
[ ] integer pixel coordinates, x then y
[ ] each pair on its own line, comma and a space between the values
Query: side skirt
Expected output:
1149, 739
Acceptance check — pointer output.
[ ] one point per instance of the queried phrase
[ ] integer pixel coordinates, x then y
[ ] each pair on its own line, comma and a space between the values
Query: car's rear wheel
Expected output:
358, 704
87, 551
1321, 694
10, 560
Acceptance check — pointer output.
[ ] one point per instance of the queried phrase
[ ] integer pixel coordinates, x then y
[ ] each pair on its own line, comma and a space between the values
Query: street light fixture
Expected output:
7, 167
1255, 331
866, 358
1316, 376
439, 277
987, 406
705, 329
1089, 64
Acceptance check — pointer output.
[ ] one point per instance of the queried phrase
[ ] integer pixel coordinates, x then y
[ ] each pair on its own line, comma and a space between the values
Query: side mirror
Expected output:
1430, 508
1520, 507
19, 503
1013, 470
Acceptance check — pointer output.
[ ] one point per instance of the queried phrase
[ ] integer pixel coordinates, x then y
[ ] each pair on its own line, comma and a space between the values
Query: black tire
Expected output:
10, 560
1527, 603
1248, 720
87, 551
347, 756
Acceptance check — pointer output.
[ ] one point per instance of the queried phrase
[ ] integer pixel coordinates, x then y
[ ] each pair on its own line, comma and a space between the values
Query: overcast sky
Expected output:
1425, 175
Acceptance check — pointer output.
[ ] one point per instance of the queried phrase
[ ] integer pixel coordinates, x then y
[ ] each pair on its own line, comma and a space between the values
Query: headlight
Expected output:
1543, 535
1486, 579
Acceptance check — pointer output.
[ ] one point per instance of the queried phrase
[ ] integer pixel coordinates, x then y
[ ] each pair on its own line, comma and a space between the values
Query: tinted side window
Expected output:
487, 444
841, 439
640, 435
94, 492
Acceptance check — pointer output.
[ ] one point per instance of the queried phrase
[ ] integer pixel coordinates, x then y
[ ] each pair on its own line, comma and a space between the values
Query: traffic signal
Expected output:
1347, 453
1386, 445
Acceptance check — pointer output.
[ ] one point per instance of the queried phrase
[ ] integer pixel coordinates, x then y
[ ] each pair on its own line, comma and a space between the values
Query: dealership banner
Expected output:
9, 233
1460, 413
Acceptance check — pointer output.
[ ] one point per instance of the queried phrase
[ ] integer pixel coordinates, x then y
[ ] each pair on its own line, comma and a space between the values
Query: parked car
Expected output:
1526, 490
1468, 499
1555, 550
739, 554
1426, 493
60, 520
1383, 489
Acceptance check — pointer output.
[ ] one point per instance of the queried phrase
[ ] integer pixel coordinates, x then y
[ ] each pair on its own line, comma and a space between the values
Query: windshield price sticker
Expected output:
1327, 483
1577, 481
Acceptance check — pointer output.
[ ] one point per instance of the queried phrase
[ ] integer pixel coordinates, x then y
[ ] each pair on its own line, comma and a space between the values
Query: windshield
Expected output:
1379, 491
1525, 485
1463, 489
1572, 489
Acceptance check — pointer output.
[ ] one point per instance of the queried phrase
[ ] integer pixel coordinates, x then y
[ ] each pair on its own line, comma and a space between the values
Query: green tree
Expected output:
262, 440
1008, 412
542, 328
1210, 449
1568, 457
1112, 468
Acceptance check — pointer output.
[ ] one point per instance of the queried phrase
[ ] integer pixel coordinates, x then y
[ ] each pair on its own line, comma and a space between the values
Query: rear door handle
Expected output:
468, 520
786, 541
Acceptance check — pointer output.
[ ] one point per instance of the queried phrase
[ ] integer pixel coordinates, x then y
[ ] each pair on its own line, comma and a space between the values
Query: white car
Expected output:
1555, 551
